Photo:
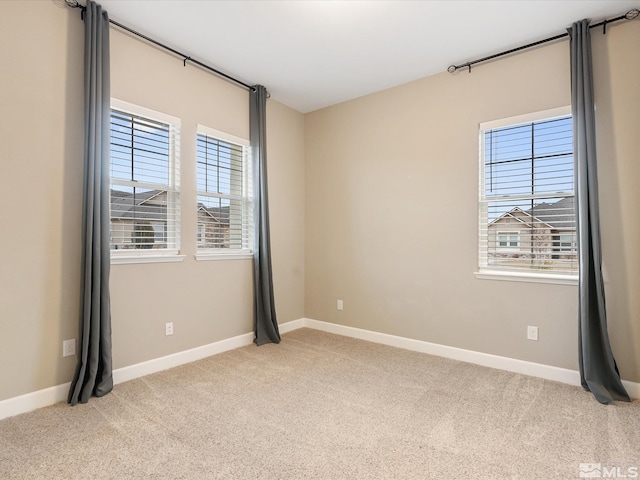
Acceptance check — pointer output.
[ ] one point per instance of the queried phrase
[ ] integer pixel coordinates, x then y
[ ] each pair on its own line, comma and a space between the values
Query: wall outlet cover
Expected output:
68, 347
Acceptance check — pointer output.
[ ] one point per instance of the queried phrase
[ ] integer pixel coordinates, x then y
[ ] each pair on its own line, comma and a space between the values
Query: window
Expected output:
566, 243
224, 209
508, 239
201, 233
145, 187
527, 213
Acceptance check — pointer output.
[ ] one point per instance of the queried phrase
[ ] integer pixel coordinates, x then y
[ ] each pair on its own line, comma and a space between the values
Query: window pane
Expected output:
144, 183
527, 212
534, 235
224, 200
138, 218
213, 215
140, 149
534, 158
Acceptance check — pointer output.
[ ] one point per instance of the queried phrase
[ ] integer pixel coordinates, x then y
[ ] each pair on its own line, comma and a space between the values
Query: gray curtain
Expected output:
598, 370
93, 372
265, 323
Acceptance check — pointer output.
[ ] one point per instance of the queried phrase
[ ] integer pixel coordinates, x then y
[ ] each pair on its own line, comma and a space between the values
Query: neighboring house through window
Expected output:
201, 230
508, 239
145, 187
224, 200
527, 207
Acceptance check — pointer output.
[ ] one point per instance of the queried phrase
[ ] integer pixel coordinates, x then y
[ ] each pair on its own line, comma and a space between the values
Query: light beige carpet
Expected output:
329, 407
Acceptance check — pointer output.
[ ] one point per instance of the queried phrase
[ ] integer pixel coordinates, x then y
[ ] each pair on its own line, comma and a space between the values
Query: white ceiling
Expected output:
312, 54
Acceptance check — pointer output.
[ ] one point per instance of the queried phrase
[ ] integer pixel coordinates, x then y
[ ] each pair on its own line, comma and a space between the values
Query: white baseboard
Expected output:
187, 356
292, 325
548, 372
48, 396
34, 400
125, 374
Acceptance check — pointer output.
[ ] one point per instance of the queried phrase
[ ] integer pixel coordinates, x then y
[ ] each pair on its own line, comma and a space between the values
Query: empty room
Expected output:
319, 239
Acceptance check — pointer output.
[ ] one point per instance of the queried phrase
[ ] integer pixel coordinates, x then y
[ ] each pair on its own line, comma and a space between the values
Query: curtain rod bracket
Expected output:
77, 4
630, 15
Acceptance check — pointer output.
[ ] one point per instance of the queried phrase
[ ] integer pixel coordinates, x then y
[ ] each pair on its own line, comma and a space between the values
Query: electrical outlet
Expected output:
68, 347
532, 333
339, 305
168, 328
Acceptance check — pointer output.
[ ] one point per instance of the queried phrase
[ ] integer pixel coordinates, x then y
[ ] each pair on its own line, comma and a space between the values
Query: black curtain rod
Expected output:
630, 15
185, 58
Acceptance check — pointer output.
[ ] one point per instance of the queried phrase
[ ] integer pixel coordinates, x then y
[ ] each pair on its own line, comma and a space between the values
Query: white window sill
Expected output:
206, 256
128, 259
527, 277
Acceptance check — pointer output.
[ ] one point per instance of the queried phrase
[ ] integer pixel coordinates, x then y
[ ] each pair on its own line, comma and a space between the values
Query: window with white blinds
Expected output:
145, 183
225, 202
527, 200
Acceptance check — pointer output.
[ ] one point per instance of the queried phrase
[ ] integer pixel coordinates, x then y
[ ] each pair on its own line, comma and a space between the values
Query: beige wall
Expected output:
382, 214
392, 220
41, 144
40, 151
618, 121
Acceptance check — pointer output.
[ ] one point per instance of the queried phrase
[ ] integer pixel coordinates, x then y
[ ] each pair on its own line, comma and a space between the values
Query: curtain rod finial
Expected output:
631, 14
452, 69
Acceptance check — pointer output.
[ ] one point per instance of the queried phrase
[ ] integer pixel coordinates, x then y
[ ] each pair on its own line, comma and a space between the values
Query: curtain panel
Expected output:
265, 322
598, 370
93, 375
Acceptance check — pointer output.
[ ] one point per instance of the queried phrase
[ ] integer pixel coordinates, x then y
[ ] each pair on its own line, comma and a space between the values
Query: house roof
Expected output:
134, 206
125, 205
558, 215
219, 214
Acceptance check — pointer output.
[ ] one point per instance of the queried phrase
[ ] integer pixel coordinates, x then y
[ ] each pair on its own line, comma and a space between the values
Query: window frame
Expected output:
203, 253
567, 247
509, 234
172, 252
484, 271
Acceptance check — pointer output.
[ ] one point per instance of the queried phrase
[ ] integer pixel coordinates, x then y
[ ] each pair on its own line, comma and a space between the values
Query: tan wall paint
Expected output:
391, 213
40, 152
618, 123
285, 144
413, 145
207, 301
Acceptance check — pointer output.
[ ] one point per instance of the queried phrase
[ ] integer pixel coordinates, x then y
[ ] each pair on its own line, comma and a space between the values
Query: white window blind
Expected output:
225, 202
527, 201
145, 183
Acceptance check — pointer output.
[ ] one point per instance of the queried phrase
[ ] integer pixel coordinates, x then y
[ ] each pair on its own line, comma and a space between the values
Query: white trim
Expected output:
125, 374
49, 396
550, 114
133, 109
222, 256
187, 356
633, 388
548, 372
34, 400
527, 277
122, 260
225, 137
292, 325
